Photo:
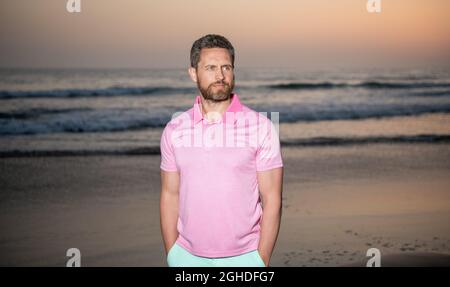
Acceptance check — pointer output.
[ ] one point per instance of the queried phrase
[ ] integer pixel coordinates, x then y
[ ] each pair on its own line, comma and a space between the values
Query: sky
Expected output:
265, 33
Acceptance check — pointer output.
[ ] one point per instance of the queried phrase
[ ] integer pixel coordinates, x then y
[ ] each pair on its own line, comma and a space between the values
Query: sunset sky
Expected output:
265, 33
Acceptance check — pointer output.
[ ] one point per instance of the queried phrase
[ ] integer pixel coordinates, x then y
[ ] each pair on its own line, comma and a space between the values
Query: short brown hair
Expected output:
210, 41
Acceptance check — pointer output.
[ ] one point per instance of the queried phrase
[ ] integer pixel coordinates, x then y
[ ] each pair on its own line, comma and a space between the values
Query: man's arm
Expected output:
169, 207
270, 186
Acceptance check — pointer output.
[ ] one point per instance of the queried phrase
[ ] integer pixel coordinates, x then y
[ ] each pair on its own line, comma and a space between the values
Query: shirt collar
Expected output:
235, 106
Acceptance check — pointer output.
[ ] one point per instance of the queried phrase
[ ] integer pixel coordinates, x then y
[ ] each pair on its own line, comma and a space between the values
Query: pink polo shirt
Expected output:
219, 205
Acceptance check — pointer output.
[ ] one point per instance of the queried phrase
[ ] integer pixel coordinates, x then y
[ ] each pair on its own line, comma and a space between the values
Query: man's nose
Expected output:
219, 75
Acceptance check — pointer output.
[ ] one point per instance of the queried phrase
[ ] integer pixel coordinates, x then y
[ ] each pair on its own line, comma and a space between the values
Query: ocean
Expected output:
123, 111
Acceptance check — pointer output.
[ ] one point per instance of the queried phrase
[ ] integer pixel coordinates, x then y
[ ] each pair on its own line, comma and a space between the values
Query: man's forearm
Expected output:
270, 226
169, 219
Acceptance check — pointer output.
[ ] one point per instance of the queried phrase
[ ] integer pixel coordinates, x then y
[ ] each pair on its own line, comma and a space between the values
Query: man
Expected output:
219, 160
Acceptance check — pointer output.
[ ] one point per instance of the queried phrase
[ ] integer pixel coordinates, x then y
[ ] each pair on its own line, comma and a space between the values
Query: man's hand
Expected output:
169, 207
265, 258
270, 188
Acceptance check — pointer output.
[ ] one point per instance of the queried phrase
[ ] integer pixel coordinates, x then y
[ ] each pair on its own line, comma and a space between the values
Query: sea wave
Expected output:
365, 84
86, 120
308, 142
111, 91
167, 90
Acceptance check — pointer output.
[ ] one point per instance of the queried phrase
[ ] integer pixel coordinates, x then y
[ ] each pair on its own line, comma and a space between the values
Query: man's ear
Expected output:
193, 74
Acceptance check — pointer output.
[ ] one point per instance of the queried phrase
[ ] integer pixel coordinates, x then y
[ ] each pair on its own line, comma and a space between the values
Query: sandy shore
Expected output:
338, 202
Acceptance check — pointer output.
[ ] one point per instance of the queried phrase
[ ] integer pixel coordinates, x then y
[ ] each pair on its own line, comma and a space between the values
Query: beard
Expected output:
217, 93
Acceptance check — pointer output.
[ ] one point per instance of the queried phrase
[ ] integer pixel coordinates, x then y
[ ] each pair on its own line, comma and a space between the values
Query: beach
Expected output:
338, 201
358, 94
356, 198
366, 157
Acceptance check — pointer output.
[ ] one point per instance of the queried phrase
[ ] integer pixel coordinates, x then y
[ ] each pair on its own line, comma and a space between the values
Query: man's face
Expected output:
214, 74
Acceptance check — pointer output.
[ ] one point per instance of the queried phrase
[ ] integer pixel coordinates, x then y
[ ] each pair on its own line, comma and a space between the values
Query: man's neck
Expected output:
213, 110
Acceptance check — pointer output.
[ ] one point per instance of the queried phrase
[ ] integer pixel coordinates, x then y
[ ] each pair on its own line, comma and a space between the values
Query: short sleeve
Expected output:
168, 162
268, 154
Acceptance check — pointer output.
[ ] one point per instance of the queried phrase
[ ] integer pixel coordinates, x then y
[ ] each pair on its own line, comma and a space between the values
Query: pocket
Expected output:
170, 250
260, 259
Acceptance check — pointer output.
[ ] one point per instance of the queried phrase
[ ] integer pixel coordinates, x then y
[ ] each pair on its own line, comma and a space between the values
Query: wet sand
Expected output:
337, 203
